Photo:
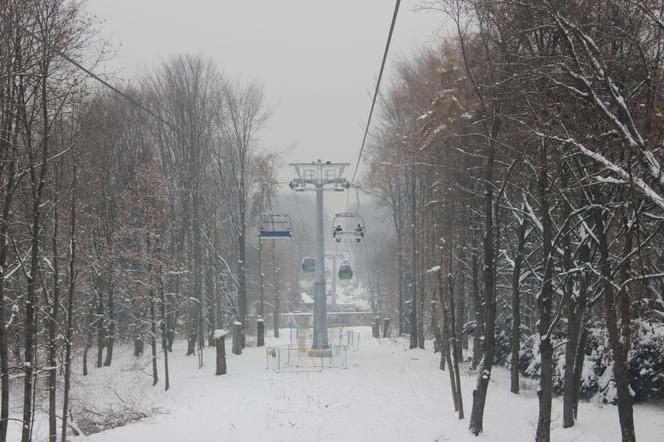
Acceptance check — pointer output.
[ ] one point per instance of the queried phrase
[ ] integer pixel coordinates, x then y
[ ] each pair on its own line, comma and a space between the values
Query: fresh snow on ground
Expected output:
388, 393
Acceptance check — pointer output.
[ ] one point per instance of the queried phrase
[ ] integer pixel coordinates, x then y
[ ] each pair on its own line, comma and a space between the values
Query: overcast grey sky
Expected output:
317, 60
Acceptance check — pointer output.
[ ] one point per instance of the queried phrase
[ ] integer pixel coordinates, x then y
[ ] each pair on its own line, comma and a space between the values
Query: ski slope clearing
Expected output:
388, 393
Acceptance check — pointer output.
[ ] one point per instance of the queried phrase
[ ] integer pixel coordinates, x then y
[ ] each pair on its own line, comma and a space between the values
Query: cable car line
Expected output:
380, 76
155, 115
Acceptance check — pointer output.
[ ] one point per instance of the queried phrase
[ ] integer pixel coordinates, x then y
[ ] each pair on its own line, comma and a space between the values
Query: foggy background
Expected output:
318, 62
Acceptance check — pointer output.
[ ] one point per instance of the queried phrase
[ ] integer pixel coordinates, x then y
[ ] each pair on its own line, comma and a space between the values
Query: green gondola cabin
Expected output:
345, 272
309, 264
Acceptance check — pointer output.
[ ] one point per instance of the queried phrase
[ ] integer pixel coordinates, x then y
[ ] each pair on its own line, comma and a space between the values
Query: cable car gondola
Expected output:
275, 225
308, 264
348, 226
345, 271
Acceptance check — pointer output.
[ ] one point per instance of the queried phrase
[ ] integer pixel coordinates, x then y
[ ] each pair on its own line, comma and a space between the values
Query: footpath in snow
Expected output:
388, 393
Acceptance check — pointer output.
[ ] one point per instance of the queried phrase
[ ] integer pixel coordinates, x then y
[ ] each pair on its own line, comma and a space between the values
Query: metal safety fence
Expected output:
336, 336
301, 358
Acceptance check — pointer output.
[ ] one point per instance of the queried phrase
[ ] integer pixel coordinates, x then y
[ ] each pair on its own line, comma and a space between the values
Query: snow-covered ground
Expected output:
388, 393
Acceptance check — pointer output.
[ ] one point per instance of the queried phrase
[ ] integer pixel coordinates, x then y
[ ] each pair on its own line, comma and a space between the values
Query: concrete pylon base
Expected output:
320, 353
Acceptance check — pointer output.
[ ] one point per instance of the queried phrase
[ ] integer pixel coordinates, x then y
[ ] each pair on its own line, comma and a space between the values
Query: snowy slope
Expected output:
388, 393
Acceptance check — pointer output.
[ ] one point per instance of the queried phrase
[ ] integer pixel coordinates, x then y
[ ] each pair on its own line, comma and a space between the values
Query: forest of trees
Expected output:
126, 214
521, 163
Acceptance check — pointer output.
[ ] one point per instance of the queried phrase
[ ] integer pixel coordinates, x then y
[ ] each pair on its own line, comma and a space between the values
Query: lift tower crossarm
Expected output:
318, 174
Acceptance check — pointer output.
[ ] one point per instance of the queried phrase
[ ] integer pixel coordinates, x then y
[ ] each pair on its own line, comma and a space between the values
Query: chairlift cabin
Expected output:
348, 226
345, 271
308, 264
275, 225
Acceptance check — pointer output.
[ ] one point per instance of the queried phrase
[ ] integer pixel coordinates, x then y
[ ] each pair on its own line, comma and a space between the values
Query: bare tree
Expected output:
245, 113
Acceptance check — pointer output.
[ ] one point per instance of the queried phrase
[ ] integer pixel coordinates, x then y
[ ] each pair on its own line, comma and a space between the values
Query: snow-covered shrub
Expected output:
94, 421
595, 383
529, 357
596, 361
646, 365
530, 361
645, 361
503, 344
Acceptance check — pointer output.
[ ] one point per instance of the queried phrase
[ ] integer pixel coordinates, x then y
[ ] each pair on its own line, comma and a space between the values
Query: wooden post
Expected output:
386, 327
220, 342
377, 331
237, 338
260, 332
138, 346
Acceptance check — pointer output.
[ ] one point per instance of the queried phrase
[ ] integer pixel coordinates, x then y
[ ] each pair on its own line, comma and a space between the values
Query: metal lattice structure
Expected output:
296, 356
319, 175
289, 358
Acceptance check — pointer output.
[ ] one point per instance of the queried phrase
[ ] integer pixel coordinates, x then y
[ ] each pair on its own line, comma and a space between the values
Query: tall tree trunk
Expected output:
152, 310
198, 258
625, 410
218, 280
414, 258
400, 278
164, 334
53, 307
110, 330
153, 338
88, 336
478, 331
70, 306
445, 338
435, 327
172, 311
30, 312
4, 248
574, 350
211, 301
242, 265
192, 308
4, 353
455, 342
453, 300
460, 313
544, 305
172, 315
486, 364
516, 309
578, 366
101, 323
37, 180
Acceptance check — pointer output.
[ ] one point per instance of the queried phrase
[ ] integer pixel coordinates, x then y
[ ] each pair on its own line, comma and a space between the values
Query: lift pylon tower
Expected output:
319, 176
334, 256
